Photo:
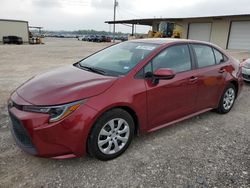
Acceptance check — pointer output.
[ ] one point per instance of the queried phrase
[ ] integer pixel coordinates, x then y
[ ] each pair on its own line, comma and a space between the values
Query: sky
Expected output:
91, 14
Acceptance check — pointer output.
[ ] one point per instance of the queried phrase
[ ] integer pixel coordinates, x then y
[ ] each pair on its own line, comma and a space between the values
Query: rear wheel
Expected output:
111, 134
227, 99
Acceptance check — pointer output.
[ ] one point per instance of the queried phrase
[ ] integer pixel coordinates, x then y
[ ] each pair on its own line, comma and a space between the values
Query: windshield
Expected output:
118, 59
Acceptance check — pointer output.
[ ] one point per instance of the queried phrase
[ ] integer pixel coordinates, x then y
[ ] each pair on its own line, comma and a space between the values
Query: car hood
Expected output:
63, 85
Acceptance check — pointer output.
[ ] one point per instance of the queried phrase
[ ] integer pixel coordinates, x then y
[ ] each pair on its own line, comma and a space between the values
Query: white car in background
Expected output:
80, 37
246, 70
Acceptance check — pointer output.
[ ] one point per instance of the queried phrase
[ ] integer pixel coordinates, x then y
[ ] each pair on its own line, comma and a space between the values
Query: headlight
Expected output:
56, 112
246, 65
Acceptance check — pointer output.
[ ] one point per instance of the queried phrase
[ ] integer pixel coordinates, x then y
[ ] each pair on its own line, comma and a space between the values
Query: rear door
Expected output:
171, 99
211, 72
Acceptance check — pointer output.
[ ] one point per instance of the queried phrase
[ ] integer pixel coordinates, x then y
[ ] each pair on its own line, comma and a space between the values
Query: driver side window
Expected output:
175, 57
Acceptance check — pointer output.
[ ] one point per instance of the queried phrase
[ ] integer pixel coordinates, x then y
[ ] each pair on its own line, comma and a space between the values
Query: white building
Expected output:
14, 28
227, 31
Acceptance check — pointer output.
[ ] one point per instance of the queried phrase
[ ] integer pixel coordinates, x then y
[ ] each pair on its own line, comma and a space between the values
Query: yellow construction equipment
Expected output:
167, 30
34, 39
177, 32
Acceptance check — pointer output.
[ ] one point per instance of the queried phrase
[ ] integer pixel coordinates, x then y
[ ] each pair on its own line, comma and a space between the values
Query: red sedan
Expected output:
97, 104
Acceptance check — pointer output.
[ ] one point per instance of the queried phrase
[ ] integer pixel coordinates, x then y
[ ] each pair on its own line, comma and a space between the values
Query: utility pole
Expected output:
115, 5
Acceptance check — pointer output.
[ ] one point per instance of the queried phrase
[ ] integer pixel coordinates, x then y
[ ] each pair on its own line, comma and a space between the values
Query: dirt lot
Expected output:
209, 150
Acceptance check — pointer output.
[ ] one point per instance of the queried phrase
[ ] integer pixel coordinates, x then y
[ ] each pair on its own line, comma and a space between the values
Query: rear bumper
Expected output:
64, 139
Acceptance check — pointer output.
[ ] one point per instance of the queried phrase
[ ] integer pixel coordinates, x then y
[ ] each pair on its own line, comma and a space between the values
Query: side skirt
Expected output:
179, 120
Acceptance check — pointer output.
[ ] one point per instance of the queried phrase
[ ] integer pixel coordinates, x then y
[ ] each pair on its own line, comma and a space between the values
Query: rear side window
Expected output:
219, 57
174, 57
204, 54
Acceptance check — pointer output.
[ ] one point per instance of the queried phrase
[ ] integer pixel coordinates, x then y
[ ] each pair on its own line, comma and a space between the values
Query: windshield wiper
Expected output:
92, 69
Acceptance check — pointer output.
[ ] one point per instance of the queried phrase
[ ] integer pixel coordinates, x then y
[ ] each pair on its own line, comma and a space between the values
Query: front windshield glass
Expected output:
118, 59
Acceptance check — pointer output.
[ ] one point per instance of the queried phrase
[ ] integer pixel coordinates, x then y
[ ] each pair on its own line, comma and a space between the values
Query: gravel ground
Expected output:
209, 150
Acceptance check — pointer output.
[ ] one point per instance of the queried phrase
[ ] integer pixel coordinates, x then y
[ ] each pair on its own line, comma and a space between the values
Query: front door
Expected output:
171, 99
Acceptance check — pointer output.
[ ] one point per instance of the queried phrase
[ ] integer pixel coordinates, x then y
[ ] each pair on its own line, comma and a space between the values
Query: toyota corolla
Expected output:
98, 104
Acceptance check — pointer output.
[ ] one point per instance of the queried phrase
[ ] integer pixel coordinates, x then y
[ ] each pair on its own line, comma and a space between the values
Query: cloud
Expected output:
47, 3
91, 14
208, 8
102, 4
109, 4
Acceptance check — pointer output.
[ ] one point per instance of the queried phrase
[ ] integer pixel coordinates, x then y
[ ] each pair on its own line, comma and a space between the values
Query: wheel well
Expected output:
235, 83
131, 112
134, 116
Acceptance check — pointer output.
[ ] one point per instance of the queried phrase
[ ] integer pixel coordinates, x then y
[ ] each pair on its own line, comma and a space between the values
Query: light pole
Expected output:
115, 5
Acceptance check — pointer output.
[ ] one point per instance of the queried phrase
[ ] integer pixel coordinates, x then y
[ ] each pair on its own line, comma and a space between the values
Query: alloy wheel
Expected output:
113, 136
228, 99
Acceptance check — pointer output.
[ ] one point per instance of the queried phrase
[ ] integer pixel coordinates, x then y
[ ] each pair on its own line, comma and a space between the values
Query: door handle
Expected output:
222, 70
193, 79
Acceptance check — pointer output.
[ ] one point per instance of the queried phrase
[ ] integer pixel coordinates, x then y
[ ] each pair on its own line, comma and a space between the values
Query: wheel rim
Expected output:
113, 136
228, 99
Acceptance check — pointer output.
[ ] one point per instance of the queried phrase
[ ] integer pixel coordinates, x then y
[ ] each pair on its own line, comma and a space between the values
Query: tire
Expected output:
111, 135
227, 100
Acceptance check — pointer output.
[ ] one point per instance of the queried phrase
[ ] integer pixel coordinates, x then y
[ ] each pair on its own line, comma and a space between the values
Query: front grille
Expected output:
246, 76
20, 133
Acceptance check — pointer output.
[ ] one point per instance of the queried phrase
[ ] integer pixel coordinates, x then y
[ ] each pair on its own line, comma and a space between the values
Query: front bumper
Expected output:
21, 136
246, 74
63, 139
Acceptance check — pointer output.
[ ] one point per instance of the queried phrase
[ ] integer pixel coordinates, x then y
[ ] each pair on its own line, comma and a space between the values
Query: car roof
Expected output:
162, 41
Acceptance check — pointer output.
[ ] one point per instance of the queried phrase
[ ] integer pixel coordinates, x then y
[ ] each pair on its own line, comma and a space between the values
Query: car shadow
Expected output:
246, 83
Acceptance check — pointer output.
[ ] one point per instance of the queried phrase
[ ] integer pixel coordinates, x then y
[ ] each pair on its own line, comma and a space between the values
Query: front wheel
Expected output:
227, 99
111, 134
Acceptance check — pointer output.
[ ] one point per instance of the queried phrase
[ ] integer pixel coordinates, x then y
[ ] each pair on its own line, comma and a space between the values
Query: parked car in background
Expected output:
97, 38
97, 104
80, 37
123, 38
85, 38
91, 38
102, 38
246, 70
108, 39
12, 40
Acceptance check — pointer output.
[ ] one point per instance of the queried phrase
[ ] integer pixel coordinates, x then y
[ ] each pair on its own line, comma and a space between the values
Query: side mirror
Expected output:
163, 74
